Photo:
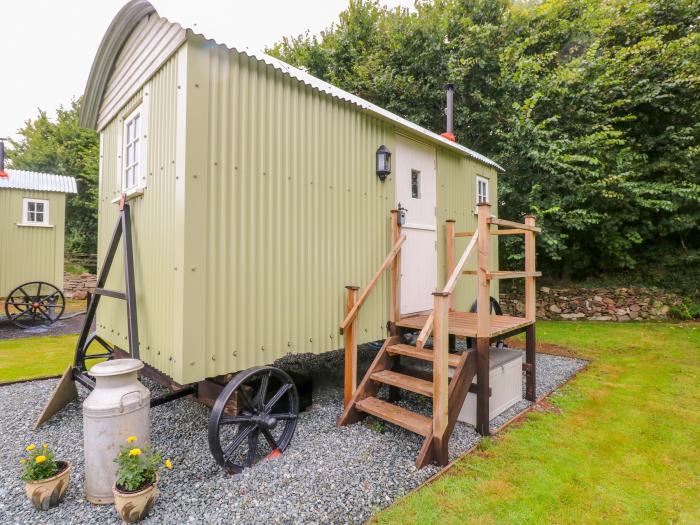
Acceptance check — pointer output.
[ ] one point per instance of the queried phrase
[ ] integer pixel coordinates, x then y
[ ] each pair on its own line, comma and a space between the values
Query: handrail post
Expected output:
483, 320
450, 255
530, 266
350, 349
440, 374
483, 297
395, 284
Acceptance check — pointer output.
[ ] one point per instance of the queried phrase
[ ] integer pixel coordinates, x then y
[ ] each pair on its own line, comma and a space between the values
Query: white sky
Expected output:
47, 46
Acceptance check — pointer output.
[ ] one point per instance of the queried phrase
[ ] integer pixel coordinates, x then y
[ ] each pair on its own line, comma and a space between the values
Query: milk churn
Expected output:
117, 408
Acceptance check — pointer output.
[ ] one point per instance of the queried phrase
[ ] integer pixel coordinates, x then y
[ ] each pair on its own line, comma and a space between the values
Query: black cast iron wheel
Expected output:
254, 417
34, 304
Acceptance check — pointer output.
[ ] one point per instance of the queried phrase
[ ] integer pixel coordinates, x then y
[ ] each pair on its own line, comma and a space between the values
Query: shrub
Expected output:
138, 466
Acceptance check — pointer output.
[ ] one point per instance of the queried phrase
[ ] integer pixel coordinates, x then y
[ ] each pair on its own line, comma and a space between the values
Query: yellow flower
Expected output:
40, 459
30, 447
45, 445
22, 461
131, 439
168, 464
135, 452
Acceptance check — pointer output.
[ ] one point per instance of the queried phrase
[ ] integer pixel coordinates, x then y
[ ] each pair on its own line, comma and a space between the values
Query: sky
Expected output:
47, 46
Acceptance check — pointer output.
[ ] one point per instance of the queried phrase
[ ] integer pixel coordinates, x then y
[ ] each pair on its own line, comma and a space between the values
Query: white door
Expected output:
416, 191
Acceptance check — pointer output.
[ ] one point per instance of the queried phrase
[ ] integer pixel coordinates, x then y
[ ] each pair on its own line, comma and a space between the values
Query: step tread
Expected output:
425, 355
414, 384
397, 415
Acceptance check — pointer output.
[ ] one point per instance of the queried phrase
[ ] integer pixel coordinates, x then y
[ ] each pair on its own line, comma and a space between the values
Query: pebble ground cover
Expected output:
328, 475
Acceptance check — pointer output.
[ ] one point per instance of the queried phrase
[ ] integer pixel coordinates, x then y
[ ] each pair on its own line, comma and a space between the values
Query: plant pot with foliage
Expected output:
135, 490
46, 479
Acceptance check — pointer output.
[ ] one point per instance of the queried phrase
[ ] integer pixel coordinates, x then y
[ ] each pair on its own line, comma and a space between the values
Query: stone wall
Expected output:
593, 304
77, 286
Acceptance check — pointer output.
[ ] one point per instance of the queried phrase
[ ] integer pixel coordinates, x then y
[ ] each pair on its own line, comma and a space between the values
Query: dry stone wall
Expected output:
593, 304
78, 286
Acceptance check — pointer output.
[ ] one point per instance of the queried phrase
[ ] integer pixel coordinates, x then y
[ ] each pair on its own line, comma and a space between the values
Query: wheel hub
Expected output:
266, 421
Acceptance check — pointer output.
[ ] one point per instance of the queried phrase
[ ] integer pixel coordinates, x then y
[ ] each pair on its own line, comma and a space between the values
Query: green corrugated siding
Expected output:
153, 232
456, 198
30, 253
293, 212
262, 205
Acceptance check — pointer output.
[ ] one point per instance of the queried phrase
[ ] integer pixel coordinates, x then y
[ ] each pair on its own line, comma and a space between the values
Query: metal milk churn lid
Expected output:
117, 408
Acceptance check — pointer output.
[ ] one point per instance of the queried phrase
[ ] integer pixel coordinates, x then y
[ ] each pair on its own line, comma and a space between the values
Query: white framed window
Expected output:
482, 189
415, 184
35, 212
131, 154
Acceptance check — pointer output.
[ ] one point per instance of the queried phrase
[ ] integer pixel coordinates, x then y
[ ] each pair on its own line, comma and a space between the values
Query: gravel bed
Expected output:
70, 323
328, 475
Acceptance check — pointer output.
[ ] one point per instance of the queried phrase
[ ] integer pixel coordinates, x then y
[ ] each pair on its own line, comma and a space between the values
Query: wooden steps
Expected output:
397, 415
413, 384
424, 355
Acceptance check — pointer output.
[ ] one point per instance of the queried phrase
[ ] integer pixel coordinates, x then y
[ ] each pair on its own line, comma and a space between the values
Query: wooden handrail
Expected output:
511, 224
452, 281
425, 332
352, 314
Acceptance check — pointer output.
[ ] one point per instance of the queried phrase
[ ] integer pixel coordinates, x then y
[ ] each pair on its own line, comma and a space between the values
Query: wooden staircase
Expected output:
447, 393
385, 370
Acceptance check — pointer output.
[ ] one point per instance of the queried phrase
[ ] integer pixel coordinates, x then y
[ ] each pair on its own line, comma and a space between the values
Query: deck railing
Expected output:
354, 303
444, 301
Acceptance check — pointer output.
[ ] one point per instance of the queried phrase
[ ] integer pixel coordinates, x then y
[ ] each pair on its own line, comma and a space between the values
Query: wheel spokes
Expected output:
284, 416
262, 393
270, 439
236, 420
278, 395
252, 447
238, 439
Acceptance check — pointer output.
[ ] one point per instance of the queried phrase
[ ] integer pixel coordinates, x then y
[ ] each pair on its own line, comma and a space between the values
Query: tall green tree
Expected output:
592, 107
63, 147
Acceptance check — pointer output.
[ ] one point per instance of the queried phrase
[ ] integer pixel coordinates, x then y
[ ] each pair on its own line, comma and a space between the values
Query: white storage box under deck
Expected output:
506, 382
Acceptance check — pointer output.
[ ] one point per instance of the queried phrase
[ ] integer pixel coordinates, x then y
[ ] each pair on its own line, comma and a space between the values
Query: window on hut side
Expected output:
482, 190
36, 211
132, 138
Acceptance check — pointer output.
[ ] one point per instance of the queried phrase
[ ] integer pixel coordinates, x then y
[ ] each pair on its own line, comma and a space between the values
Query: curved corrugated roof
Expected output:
34, 180
188, 15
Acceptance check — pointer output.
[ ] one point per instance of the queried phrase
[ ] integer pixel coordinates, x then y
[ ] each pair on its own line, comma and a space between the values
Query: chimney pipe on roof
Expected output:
2, 158
449, 111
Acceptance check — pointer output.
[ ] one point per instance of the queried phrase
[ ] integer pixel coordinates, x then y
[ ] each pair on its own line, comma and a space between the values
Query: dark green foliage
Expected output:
591, 106
65, 148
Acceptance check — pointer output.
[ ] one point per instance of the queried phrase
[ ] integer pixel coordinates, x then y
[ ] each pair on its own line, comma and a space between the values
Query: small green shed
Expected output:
255, 199
32, 227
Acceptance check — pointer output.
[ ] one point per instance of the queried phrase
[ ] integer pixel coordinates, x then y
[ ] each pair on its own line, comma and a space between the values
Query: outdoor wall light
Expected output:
383, 162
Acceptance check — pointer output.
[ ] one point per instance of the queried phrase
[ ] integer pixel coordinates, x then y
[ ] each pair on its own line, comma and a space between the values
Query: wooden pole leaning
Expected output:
350, 348
530, 311
483, 322
440, 375
450, 255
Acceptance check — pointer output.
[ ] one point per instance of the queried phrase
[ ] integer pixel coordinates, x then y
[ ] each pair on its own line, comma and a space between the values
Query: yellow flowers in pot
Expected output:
46, 479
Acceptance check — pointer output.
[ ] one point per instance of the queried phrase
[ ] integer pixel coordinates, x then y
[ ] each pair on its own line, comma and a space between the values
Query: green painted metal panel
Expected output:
262, 204
30, 253
456, 197
153, 217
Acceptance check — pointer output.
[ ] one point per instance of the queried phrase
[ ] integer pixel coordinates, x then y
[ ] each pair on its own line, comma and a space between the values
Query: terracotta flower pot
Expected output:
49, 492
134, 506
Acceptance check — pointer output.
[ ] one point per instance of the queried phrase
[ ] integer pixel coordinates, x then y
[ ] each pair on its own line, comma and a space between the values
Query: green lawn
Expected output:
32, 357
620, 444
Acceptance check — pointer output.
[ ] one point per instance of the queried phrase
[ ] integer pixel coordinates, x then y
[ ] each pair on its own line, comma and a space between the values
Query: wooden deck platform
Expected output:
463, 324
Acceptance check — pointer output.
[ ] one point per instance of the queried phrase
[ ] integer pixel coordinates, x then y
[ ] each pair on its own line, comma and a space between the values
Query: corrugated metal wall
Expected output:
153, 217
151, 42
294, 212
30, 253
457, 200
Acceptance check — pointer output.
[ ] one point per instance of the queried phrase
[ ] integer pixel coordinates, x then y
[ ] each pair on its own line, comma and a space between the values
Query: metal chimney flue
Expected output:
449, 112
2, 156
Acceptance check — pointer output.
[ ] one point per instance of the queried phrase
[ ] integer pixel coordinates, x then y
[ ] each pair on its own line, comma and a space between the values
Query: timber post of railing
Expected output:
350, 348
395, 275
530, 311
450, 254
483, 319
440, 374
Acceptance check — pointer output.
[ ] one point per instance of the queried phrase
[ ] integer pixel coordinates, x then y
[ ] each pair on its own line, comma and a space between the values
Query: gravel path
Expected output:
69, 324
328, 475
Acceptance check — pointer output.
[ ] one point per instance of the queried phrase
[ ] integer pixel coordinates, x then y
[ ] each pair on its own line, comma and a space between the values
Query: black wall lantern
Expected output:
383, 162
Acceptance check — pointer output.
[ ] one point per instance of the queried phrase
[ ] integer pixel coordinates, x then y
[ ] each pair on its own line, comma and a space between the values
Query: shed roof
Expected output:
186, 15
37, 181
